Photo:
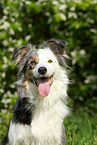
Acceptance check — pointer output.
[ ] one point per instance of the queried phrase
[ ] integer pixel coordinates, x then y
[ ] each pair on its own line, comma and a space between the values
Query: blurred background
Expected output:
34, 21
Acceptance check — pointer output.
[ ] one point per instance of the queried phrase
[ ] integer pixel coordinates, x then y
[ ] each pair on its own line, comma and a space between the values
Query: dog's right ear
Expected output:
58, 46
19, 54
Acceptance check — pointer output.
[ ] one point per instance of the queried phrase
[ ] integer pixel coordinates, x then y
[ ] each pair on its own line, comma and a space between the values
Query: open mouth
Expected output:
43, 84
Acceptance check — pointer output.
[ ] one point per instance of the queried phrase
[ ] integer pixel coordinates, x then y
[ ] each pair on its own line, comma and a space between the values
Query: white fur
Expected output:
50, 111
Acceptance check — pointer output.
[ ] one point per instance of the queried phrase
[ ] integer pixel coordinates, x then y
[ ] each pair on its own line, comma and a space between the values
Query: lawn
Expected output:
81, 129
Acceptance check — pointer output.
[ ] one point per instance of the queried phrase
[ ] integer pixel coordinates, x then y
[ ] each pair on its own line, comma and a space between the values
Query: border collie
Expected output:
42, 87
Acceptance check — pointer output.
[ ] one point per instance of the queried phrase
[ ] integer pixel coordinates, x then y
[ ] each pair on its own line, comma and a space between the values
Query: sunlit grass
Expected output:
81, 129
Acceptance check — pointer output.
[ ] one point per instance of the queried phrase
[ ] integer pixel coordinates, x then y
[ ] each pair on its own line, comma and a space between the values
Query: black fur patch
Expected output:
23, 111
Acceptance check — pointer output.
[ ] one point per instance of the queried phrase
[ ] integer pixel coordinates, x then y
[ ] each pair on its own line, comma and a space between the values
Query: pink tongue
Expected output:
43, 88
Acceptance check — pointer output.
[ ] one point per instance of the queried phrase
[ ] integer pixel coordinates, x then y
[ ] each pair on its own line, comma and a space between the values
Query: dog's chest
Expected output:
46, 128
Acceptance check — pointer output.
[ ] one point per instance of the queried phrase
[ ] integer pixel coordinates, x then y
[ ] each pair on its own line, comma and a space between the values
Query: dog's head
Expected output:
38, 65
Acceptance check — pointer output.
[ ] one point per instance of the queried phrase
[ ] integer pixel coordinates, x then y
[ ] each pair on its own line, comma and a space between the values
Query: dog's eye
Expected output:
50, 61
33, 63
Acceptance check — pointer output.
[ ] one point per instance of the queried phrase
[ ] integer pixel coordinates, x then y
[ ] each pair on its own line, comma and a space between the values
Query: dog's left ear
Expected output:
58, 46
19, 54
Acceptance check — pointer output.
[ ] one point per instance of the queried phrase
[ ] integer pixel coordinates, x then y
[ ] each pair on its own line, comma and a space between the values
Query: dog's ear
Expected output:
58, 46
19, 54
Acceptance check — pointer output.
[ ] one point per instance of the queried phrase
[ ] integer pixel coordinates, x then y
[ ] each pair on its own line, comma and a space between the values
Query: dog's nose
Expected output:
42, 70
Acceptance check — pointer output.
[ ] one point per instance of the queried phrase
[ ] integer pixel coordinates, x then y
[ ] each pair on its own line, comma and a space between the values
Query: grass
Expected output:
80, 128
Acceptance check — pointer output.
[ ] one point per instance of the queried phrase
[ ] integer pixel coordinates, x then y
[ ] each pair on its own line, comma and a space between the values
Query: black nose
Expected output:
42, 70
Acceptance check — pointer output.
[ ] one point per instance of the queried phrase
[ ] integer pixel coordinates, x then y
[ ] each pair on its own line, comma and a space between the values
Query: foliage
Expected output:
28, 21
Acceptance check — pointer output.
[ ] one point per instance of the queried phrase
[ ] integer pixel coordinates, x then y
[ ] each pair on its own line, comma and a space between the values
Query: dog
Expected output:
42, 83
